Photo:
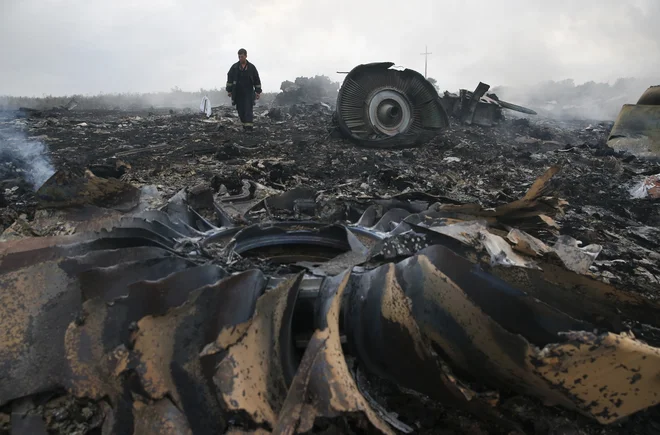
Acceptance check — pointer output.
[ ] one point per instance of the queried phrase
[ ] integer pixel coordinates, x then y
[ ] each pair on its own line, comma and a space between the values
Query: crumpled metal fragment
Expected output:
323, 385
97, 349
169, 342
166, 348
476, 343
259, 364
42, 293
635, 130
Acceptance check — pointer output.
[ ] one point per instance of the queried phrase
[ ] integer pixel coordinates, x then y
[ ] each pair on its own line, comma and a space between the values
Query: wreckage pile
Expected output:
176, 275
307, 90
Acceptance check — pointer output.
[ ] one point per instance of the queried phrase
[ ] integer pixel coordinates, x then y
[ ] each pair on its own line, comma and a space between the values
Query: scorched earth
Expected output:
177, 275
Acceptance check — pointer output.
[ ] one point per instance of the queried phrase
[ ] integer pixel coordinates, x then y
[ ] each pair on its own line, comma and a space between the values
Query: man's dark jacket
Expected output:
232, 77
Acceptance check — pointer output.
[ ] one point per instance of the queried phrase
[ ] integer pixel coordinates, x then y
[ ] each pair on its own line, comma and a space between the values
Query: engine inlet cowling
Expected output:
388, 108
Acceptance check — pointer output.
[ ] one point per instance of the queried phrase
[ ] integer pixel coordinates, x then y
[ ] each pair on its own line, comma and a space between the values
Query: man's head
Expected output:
242, 55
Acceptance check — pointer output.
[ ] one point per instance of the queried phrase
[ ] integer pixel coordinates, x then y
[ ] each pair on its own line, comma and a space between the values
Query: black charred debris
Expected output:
177, 274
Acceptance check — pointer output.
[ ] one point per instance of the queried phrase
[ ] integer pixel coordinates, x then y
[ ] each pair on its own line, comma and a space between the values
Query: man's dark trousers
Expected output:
244, 105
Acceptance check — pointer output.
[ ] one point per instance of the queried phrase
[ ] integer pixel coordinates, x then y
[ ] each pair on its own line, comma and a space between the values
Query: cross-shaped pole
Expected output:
426, 60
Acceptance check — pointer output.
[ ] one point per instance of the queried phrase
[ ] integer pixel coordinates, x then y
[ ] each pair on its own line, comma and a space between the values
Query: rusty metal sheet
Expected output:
181, 348
478, 345
42, 293
581, 296
97, 347
260, 364
323, 385
167, 347
383, 333
36, 305
607, 376
557, 275
512, 308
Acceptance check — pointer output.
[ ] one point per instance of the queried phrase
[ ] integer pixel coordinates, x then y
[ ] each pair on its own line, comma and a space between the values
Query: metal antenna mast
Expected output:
426, 60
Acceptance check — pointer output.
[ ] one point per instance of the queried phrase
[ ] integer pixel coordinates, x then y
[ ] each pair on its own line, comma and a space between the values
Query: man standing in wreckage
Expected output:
244, 87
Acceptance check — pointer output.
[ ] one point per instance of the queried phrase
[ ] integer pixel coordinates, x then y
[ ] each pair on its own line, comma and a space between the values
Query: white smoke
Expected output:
587, 101
28, 157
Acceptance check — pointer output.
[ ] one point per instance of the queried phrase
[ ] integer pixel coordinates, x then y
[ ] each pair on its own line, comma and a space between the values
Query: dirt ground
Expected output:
489, 166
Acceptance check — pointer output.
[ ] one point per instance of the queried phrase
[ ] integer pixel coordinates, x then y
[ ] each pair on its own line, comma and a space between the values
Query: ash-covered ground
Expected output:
296, 146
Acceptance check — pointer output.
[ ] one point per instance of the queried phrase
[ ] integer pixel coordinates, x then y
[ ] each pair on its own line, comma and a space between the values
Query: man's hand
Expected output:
257, 96
229, 94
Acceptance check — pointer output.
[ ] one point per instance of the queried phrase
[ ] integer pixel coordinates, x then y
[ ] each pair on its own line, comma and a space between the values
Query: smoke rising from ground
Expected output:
561, 100
589, 101
26, 158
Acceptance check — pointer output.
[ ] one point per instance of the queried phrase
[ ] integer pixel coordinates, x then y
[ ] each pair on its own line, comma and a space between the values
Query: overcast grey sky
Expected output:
61, 47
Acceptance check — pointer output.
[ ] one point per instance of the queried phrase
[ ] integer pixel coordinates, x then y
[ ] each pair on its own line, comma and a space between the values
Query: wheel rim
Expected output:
389, 112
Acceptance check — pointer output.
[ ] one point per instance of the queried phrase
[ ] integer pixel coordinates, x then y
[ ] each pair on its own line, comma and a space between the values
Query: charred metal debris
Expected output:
387, 107
478, 107
248, 315
637, 128
381, 106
